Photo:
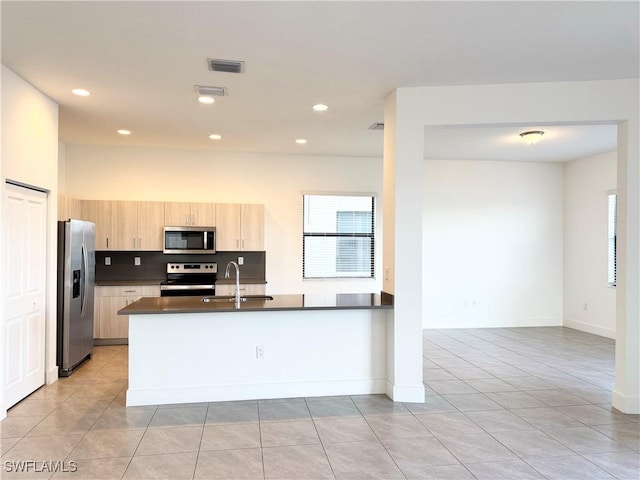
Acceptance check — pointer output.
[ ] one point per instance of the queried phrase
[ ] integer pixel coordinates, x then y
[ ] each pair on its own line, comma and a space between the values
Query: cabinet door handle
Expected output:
186, 218
134, 242
107, 242
130, 291
243, 243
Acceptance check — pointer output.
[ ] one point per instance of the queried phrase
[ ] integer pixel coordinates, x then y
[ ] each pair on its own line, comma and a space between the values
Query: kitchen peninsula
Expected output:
185, 350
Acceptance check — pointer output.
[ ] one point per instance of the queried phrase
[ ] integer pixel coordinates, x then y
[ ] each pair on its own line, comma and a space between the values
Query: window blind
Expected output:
612, 234
338, 236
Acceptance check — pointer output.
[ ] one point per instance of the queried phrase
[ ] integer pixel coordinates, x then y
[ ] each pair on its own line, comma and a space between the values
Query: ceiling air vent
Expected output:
377, 126
211, 91
229, 66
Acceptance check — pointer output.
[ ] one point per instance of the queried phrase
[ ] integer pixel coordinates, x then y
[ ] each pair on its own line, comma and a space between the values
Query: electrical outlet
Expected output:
107, 260
259, 352
240, 260
136, 261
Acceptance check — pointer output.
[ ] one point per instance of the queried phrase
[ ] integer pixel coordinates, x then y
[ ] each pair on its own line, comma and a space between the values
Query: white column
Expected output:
409, 110
626, 394
402, 250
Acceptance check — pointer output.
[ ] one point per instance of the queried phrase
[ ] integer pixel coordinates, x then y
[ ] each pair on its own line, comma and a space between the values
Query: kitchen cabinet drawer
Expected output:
245, 289
129, 291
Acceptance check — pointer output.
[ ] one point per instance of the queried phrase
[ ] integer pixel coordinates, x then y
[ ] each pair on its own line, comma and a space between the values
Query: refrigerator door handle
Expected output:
85, 265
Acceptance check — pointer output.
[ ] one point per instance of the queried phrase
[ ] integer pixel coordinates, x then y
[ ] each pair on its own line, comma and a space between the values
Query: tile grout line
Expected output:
204, 424
315, 427
264, 474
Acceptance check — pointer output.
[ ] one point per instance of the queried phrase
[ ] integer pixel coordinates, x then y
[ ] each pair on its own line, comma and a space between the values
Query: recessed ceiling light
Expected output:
215, 136
206, 100
81, 92
301, 141
122, 131
320, 107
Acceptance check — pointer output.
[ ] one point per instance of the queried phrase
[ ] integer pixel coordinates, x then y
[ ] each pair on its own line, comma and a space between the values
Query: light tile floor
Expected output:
520, 403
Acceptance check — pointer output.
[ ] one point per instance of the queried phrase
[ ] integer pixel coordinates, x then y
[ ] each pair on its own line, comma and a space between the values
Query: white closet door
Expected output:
25, 227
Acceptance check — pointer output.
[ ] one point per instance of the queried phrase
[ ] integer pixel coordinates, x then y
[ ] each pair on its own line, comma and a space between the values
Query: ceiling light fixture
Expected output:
81, 92
320, 107
532, 137
301, 141
122, 131
206, 100
215, 136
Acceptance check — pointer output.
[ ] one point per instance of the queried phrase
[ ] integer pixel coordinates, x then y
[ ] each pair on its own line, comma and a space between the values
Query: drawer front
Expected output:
128, 291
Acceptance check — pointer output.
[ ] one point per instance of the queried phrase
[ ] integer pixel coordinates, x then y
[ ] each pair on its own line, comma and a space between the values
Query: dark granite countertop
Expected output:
124, 283
341, 301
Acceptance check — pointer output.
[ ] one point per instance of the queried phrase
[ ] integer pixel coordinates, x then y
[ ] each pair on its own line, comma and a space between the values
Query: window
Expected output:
612, 233
338, 236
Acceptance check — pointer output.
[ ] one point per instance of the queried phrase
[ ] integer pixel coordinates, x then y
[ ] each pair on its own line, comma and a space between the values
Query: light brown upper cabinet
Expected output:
138, 225
239, 227
125, 225
99, 212
180, 214
68, 207
150, 223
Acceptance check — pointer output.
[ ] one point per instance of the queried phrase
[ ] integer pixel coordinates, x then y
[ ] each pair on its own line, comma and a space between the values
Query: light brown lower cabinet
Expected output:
245, 289
109, 327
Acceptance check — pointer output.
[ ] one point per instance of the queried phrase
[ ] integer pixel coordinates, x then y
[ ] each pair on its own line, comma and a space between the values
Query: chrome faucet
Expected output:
226, 275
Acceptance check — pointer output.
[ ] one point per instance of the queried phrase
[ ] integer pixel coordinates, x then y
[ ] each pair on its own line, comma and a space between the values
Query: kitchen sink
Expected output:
244, 298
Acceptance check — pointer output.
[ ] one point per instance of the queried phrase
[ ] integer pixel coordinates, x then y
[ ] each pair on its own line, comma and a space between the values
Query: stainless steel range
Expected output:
189, 279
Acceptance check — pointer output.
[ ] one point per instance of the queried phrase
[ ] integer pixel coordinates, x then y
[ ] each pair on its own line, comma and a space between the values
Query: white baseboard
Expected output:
408, 393
629, 405
163, 396
589, 328
445, 323
51, 376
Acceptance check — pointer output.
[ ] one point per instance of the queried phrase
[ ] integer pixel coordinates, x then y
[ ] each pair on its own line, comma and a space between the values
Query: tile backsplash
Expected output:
114, 265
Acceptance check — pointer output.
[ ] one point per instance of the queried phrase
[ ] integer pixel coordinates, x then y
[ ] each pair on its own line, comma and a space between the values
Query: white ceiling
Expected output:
141, 61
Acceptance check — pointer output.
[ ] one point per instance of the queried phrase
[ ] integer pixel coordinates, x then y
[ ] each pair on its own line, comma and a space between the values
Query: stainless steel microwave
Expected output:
189, 240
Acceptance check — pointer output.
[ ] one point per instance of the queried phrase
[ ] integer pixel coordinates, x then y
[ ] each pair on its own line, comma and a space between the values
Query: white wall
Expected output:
492, 234
586, 183
277, 181
30, 156
62, 167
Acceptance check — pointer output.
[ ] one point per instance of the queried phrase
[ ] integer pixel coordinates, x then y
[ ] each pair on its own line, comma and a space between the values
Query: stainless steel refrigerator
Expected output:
76, 278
